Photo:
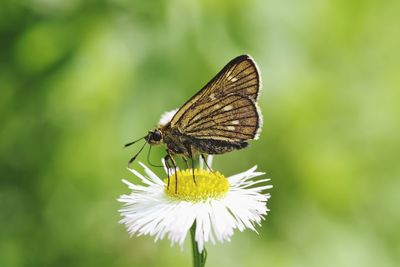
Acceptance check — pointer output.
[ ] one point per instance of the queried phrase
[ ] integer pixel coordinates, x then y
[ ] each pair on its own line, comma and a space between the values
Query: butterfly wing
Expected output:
233, 118
240, 77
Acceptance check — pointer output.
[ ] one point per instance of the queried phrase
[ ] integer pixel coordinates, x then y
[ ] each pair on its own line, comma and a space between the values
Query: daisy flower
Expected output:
213, 207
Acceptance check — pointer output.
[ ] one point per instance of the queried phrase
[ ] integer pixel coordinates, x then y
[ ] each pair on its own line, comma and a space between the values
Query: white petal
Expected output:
210, 160
166, 117
234, 179
141, 177
152, 175
164, 165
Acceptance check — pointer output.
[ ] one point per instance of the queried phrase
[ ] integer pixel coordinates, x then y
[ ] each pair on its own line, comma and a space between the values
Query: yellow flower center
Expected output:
208, 185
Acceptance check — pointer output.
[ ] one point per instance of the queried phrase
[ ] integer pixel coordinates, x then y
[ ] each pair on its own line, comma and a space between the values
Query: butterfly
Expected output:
223, 116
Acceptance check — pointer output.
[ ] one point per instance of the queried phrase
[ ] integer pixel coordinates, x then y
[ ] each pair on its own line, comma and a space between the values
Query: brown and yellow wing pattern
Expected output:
239, 76
233, 117
224, 109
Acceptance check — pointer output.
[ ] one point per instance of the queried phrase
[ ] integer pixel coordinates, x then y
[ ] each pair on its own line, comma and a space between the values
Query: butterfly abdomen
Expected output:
212, 146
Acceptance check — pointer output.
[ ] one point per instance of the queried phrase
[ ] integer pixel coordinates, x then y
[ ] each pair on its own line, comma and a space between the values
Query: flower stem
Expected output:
199, 259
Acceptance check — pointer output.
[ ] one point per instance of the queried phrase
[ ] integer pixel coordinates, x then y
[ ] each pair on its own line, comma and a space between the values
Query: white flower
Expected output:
217, 205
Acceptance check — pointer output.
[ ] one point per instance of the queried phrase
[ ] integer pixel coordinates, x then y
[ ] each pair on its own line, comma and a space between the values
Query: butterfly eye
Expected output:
156, 136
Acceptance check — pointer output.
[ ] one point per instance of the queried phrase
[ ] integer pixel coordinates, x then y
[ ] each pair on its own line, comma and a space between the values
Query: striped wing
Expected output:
233, 118
239, 80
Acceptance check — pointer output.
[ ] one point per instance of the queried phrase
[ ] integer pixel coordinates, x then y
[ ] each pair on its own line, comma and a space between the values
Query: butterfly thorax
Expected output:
176, 142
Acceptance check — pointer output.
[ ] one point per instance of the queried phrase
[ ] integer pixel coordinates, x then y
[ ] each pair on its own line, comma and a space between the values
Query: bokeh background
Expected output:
78, 79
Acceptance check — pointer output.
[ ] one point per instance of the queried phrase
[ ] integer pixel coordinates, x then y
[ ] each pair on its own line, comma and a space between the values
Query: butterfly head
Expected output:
154, 137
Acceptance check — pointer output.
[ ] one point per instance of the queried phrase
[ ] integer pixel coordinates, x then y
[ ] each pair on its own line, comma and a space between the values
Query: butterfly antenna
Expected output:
148, 159
131, 143
137, 154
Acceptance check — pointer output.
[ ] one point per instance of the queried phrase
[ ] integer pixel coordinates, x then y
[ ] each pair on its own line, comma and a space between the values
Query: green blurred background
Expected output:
78, 79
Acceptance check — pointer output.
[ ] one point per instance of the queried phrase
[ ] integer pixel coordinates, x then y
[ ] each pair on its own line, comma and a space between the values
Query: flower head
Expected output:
217, 204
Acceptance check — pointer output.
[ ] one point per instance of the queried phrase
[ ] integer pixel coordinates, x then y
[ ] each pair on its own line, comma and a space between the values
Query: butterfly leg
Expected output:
191, 157
176, 175
169, 156
205, 162
186, 162
166, 160
194, 178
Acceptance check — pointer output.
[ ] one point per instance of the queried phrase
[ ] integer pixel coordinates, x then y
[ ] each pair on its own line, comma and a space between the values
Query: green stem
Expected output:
199, 259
